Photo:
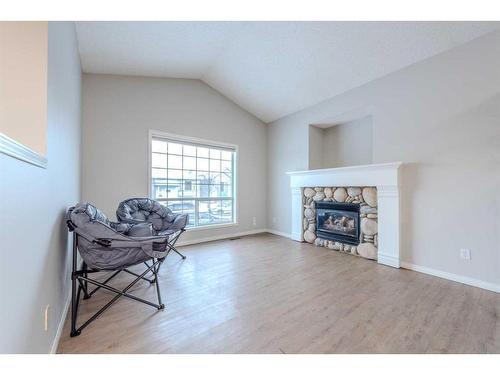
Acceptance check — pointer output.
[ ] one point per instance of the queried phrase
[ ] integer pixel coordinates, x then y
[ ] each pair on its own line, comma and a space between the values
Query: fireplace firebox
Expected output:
338, 221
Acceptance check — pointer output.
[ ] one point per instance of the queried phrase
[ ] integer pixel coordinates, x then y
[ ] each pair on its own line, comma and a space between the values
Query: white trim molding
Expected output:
10, 147
60, 326
452, 276
298, 209
388, 225
211, 226
358, 175
203, 142
278, 233
62, 321
220, 237
384, 176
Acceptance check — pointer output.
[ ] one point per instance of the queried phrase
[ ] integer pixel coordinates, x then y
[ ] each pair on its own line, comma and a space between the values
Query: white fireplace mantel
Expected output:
384, 176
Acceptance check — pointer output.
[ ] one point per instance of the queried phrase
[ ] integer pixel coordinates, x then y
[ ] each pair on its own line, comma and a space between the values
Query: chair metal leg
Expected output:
171, 247
161, 305
80, 283
85, 285
151, 281
104, 282
180, 254
74, 300
81, 277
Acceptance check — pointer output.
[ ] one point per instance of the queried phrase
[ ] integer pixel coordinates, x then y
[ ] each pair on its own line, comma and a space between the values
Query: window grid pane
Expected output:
197, 180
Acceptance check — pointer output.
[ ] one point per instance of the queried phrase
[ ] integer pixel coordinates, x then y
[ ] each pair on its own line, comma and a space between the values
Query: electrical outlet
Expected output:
465, 254
46, 325
254, 221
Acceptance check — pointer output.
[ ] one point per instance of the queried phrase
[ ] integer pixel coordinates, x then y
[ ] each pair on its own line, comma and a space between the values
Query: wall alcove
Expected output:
341, 144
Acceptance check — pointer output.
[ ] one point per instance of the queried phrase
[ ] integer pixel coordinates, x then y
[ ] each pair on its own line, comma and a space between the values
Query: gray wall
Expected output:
316, 150
348, 144
341, 145
118, 111
442, 118
35, 251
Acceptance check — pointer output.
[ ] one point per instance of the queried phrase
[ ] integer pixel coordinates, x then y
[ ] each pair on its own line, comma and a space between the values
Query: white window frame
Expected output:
203, 142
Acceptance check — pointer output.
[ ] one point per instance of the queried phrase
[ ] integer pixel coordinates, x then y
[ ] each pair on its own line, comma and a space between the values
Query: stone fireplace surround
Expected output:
366, 196
381, 182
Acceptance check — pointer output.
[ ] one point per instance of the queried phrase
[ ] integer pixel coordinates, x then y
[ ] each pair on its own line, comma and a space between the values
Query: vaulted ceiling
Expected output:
271, 69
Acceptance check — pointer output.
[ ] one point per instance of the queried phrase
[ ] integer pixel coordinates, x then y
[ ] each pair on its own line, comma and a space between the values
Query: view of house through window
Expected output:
194, 178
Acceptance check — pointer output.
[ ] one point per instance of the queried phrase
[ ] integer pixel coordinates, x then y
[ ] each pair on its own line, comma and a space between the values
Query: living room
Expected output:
220, 185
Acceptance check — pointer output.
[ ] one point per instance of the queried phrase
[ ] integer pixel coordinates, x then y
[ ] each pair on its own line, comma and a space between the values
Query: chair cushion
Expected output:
137, 210
91, 225
141, 230
92, 212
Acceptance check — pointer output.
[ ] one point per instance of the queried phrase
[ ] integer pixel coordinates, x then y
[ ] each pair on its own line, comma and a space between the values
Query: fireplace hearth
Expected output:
338, 221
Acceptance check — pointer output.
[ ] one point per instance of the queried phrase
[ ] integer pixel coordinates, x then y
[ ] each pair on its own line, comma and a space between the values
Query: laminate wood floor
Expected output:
268, 294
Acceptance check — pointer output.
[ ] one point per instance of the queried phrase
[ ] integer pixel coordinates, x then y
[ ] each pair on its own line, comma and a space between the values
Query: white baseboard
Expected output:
453, 277
232, 235
60, 326
388, 260
278, 233
220, 237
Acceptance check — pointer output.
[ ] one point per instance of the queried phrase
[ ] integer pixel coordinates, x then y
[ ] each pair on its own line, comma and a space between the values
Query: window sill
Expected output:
213, 226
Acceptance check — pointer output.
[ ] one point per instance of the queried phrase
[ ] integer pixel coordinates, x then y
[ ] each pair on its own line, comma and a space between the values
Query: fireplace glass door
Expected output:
338, 222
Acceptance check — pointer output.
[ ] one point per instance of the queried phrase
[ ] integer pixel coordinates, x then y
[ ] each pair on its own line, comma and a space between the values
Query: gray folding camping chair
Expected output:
145, 210
107, 246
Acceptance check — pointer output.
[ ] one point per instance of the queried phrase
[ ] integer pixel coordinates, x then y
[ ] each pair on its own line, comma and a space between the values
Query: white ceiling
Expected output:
271, 69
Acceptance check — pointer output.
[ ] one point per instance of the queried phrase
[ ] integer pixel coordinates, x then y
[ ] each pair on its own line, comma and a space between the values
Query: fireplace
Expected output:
379, 207
338, 221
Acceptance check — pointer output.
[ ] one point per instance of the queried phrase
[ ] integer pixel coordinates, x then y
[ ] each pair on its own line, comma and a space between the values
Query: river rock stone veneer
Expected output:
365, 196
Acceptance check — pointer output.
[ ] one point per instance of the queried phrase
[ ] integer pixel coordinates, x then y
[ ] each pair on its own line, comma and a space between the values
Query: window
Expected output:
195, 177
